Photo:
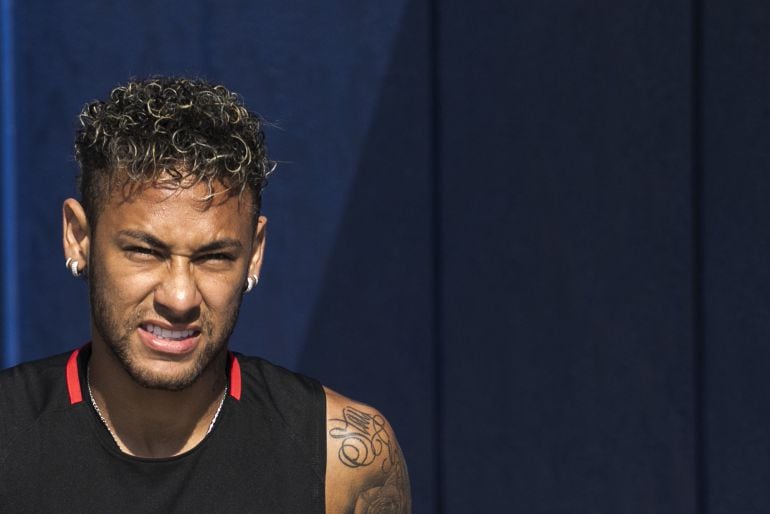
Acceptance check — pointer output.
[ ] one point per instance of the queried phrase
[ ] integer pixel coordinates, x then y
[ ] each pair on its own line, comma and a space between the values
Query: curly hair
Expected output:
183, 130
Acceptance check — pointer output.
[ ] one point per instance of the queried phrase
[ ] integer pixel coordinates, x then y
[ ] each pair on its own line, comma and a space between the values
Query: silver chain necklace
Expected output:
107, 426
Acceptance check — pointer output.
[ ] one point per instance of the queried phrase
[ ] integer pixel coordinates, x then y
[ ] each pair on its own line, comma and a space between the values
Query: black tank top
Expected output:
266, 452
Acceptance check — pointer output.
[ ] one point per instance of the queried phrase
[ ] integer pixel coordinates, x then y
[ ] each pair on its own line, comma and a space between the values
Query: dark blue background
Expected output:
532, 233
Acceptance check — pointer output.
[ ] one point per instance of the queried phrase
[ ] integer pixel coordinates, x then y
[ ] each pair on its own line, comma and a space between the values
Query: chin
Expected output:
167, 375
162, 381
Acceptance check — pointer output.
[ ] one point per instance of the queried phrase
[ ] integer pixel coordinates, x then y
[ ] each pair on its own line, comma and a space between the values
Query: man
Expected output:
155, 414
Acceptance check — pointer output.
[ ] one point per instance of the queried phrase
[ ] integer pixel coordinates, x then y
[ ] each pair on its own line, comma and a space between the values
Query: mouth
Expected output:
172, 335
168, 340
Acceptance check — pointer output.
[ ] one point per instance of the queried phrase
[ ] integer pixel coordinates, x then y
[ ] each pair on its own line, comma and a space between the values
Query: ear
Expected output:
258, 248
76, 236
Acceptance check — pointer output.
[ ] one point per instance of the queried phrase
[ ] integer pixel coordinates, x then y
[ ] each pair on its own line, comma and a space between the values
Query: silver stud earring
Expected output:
251, 281
72, 264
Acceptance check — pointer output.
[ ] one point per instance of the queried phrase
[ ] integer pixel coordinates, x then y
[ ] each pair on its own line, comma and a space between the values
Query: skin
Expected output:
365, 469
166, 256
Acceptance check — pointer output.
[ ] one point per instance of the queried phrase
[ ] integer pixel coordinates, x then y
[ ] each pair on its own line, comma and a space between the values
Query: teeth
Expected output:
168, 334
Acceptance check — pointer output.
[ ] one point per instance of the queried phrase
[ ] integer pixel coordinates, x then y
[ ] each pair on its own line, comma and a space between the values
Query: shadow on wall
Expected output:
370, 336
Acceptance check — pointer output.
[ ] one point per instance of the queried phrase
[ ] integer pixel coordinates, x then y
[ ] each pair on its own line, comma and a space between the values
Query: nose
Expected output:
177, 297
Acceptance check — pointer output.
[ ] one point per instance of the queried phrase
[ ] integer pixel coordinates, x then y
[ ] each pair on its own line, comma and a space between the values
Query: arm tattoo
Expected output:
364, 438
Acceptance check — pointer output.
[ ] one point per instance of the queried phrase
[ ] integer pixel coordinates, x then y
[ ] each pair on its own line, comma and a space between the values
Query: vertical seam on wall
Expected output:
699, 349
9, 215
438, 354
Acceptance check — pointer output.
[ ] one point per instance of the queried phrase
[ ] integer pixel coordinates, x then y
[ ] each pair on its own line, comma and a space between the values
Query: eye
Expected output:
224, 257
141, 252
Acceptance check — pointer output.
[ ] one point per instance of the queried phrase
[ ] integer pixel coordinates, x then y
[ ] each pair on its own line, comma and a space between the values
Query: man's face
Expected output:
167, 271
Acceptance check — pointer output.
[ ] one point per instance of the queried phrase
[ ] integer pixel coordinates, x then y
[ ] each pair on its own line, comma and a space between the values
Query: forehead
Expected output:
185, 215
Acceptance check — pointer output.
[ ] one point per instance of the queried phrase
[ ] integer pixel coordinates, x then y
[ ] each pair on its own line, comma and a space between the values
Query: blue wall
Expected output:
532, 233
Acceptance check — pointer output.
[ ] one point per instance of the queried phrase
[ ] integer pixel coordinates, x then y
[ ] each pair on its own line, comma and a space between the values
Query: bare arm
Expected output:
365, 469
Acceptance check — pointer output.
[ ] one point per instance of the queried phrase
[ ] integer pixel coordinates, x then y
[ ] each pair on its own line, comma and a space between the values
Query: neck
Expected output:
155, 423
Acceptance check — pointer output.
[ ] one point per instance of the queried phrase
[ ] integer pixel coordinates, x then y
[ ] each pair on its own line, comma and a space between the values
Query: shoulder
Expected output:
365, 469
298, 399
27, 392
32, 386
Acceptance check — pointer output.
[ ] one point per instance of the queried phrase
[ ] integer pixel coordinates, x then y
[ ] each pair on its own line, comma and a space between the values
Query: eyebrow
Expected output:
226, 243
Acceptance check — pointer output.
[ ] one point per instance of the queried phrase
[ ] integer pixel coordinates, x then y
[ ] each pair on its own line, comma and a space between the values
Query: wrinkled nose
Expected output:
177, 297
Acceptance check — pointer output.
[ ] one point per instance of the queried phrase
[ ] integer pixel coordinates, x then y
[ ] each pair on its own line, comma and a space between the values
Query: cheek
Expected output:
218, 293
125, 285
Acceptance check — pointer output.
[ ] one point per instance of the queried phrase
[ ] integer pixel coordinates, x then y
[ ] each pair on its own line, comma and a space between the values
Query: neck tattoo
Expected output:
107, 426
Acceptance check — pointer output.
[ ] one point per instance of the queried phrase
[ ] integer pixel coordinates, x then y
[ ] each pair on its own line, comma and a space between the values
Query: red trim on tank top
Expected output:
235, 377
73, 378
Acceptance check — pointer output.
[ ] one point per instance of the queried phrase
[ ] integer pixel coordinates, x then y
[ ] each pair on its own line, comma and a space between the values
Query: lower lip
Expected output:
168, 346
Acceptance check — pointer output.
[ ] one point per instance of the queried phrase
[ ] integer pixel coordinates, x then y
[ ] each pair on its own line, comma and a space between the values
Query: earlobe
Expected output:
76, 233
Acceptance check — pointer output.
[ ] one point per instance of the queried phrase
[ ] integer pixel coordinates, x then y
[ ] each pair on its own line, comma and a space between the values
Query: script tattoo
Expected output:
364, 439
